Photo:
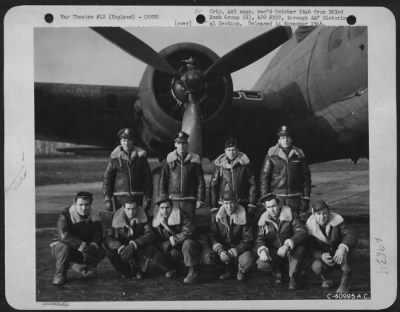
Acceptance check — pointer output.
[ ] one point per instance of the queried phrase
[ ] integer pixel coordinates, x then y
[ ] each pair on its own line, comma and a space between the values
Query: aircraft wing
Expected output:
83, 114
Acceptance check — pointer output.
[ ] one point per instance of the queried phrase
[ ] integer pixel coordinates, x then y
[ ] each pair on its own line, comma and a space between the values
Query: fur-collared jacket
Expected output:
178, 227
285, 174
138, 230
337, 234
287, 230
73, 229
237, 176
127, 173
182, 179
234, 233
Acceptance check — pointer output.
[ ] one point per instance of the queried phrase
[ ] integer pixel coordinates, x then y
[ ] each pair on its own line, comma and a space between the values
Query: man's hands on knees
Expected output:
265, 256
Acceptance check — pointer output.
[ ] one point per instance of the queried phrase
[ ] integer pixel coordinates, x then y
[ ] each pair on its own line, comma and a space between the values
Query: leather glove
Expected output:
127, 252
327, 259
340, 255
283, 251
224, 256
305, 204
265, 256
108, 205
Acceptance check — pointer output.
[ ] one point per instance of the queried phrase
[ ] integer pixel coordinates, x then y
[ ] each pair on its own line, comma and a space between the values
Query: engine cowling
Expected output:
161, 102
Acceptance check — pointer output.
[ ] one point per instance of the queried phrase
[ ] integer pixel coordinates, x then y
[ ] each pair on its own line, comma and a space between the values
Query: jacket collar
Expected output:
276, 150
241, 159
76, 217
173, 219
120, 220
118, 152
285, 215
190, 157
315, 230
239, 217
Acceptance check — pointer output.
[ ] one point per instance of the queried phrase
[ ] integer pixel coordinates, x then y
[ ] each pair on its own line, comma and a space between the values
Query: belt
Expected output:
182, 198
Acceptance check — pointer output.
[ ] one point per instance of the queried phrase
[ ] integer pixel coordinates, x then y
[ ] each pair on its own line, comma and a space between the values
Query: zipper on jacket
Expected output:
181, 161
130, 176
233, 183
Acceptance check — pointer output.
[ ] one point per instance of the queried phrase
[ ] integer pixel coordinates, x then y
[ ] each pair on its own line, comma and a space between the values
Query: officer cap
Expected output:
230, 142
84, 195
283, 131
268, 197
318, 205
162, 199
126, 133
229, 195
181, 137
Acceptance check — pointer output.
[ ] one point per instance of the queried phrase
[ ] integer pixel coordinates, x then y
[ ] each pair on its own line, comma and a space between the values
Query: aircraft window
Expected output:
112, 102
236, 95
356, 31
252, 95
335, 39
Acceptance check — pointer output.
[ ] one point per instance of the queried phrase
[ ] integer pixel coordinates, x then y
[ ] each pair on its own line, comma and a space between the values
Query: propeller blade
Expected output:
249, 51
135, 47
191, 124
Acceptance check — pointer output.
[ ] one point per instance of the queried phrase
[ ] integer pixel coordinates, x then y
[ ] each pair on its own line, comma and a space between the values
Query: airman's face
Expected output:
273, 207
231, 152
230, 206
182, 147
322, 217
285, 141
83, 206
165, 209
130, 210
127, 144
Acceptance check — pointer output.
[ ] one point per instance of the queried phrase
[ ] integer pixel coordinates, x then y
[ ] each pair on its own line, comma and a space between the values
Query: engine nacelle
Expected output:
161, 104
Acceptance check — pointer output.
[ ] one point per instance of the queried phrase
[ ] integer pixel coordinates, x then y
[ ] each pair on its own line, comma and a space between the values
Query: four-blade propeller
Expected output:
192, 81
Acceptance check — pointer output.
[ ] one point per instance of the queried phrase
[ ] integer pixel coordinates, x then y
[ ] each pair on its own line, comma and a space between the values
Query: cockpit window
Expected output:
335, 39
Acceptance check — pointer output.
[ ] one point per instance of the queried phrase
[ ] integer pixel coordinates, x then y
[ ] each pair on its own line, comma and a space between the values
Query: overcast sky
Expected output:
79, 55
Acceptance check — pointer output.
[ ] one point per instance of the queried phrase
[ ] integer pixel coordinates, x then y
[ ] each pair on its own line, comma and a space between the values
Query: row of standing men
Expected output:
285, 172
280, 236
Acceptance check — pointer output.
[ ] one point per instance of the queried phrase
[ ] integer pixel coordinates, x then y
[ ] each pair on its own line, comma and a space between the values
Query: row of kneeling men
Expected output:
134, 244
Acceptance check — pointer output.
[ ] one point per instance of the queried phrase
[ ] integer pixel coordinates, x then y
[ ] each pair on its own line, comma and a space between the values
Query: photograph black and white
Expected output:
201, 164
155, 114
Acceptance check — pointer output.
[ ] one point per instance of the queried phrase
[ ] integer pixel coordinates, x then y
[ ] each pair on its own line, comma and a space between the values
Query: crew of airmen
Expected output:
279, 240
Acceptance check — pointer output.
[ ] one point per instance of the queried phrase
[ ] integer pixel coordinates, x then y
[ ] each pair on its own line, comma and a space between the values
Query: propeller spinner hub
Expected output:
193, 80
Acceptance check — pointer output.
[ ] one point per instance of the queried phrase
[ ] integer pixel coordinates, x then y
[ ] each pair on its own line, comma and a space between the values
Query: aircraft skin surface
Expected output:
316, 84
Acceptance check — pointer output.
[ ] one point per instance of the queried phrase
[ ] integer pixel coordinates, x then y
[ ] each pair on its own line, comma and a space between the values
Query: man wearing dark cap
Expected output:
233, 172
127, 173
280, 240
129, 245
79, 239
330, 243
182, 177
231, 237
175, 233
285, 173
